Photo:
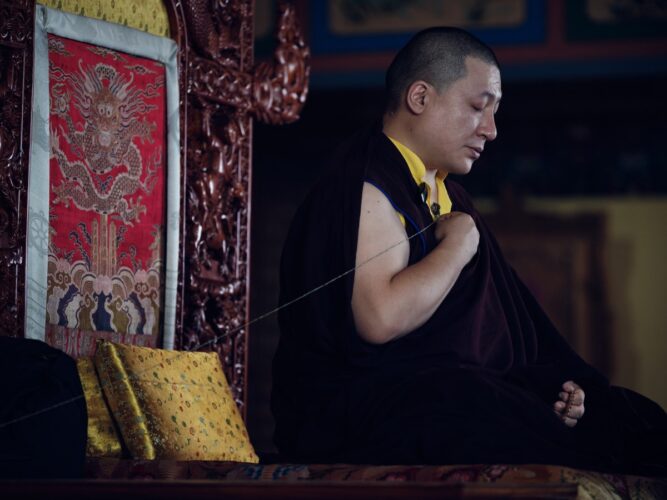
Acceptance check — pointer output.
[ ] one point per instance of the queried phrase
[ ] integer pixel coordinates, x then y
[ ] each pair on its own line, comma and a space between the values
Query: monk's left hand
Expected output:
570, 413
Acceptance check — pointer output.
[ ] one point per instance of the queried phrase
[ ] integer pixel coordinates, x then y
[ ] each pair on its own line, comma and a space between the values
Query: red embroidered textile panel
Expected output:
107, 197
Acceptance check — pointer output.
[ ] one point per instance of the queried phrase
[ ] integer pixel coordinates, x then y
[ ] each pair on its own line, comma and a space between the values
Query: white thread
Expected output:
316, 289
245, 325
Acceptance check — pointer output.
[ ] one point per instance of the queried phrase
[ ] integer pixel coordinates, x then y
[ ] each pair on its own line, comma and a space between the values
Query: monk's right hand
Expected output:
457, 231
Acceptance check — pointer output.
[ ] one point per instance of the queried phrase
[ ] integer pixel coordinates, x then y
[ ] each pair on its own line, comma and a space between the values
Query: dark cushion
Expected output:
43, 412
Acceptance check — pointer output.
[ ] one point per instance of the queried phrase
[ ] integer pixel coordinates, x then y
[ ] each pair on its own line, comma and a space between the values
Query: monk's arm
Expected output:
390, 298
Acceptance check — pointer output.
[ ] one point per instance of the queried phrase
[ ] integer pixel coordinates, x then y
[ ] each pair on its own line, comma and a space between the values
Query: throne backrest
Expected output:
125, 170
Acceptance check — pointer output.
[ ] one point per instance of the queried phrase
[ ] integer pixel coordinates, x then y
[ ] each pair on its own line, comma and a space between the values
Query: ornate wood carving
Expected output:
221, 91
224, 92
16, 21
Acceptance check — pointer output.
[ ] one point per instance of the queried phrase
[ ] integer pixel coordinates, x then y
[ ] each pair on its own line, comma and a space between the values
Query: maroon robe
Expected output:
475, 383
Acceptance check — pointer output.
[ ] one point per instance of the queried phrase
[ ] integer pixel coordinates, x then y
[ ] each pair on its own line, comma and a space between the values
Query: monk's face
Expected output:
457, 122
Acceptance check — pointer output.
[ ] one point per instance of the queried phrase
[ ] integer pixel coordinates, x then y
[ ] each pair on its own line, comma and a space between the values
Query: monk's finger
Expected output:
559, 406
575, 412
578, 397
581, 396
570, 386
570, 422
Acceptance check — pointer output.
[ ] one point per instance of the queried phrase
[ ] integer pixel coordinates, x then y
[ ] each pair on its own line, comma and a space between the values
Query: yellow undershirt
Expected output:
418, 171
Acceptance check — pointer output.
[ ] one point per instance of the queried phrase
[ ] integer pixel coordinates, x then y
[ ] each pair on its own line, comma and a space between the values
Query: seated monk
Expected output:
424, 346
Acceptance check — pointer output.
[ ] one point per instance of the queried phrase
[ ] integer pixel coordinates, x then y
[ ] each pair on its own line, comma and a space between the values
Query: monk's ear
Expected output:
416, 96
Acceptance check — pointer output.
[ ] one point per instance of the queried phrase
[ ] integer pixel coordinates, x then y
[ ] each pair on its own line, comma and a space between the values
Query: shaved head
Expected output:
436, 56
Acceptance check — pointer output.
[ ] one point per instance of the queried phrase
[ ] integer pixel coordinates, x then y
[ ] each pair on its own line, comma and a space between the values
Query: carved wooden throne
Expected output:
220, 91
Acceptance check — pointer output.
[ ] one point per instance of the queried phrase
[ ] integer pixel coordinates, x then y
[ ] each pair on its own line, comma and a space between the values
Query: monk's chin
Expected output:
461, 169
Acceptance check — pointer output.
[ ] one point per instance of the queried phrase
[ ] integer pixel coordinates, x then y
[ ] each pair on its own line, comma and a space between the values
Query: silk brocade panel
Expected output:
107, 208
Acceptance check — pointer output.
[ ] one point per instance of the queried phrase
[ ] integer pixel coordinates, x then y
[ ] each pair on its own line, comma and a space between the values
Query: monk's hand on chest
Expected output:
457, 231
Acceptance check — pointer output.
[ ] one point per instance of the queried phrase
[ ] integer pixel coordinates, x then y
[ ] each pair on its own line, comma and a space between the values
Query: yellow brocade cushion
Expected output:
103, 440
172, 404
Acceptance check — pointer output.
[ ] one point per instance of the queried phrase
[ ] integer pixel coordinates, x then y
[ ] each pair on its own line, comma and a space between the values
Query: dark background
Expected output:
569, 127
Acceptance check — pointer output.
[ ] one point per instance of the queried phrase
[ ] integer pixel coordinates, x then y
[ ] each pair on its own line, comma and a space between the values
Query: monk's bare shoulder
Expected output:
379, 228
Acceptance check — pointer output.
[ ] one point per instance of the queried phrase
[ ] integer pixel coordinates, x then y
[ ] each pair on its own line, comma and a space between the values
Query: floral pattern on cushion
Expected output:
172, 404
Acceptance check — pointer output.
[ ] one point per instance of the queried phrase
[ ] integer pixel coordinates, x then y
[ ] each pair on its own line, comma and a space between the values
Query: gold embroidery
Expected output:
145, 15
172, 404
103, 440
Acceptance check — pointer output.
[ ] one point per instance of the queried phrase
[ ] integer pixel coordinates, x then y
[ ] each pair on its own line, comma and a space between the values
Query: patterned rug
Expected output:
591, 485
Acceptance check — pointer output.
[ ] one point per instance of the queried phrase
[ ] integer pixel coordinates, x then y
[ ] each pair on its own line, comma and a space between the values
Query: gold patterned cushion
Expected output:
172, 404
103, 439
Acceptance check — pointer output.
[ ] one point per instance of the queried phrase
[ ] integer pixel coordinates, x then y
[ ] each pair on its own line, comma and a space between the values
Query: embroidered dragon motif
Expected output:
111, 107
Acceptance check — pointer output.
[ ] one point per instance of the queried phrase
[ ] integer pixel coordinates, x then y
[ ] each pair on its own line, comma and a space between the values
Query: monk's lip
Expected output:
476, 152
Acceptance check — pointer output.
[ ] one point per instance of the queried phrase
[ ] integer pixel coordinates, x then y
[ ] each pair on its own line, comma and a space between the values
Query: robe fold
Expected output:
475, 383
